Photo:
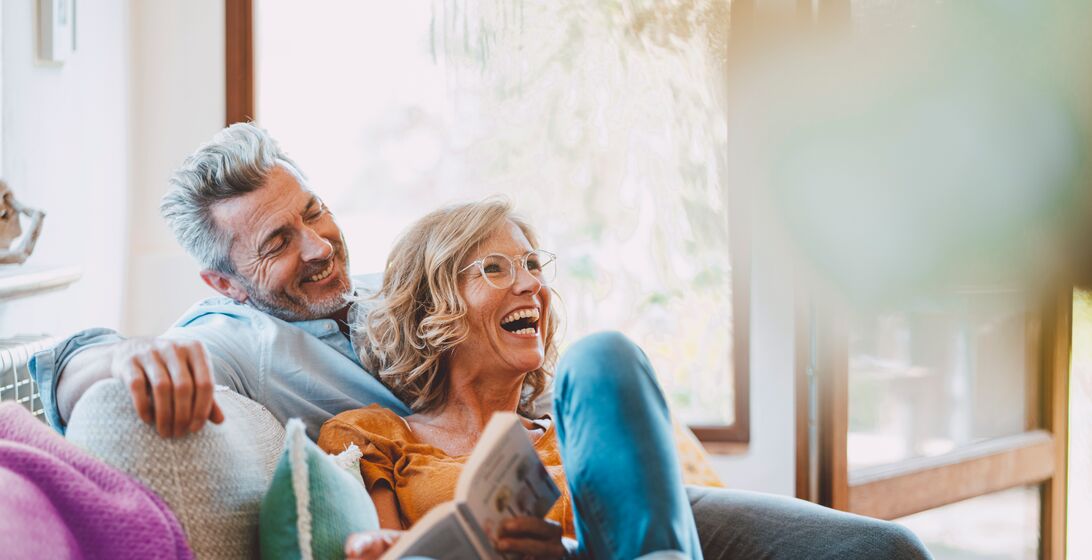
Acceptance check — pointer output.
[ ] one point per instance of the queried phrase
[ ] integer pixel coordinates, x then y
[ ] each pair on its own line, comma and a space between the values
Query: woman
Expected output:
464, 328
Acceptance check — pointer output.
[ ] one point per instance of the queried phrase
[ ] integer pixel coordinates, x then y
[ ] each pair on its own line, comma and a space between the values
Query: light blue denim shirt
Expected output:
304, 369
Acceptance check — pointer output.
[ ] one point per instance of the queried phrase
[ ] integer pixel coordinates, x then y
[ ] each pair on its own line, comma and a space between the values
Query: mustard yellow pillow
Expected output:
696, 466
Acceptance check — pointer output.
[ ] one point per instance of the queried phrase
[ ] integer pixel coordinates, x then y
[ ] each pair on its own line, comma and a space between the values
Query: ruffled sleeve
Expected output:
378, 434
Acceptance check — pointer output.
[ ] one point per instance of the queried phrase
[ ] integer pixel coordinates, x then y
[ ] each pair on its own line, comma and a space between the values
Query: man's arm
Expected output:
44, 367
84, 368
170, 381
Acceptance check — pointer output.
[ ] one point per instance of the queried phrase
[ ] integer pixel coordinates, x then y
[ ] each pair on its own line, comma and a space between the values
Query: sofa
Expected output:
214, 481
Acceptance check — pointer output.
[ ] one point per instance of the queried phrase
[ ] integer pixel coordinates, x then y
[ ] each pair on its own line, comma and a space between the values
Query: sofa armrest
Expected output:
213, 480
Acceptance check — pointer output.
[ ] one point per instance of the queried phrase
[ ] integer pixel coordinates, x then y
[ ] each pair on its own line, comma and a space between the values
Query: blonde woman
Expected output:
464, 327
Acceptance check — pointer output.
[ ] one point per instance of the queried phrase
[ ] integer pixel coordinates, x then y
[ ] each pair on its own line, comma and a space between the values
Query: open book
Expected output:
503, 478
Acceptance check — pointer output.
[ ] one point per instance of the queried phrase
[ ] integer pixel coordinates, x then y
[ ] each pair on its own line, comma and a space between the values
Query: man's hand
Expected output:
370, 545
530, 537
171, 383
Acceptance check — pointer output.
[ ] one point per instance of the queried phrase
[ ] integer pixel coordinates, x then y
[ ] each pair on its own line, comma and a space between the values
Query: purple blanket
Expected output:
56, 501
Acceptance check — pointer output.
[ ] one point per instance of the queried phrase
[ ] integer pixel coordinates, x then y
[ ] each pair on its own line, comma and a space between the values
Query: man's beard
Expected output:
288, 307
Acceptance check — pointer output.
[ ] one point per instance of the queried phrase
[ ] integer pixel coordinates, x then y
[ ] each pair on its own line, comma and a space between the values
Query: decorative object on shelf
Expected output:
11, 229
16, 281
19, 282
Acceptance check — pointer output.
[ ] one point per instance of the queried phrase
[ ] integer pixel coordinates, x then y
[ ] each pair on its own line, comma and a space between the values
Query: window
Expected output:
932, 380
916, 409
941, 373
1079, 543
606, 128
1003, 525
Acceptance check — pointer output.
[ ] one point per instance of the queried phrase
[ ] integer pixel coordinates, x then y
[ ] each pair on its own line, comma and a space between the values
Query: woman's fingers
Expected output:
370, 545
530, 527
531, 547
530, 536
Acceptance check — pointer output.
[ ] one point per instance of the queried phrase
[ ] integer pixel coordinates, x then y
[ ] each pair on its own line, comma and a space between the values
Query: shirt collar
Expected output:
318, 327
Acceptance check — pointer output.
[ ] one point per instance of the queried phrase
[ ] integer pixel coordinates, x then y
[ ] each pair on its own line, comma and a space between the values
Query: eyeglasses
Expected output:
500, 270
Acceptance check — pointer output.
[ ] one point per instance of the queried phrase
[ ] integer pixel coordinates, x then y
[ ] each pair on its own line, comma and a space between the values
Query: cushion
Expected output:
59, 502
697, 469
213, 480
313, 503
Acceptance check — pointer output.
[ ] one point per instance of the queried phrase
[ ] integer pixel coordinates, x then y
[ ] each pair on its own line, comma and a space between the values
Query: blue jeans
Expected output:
618, 449
619, 455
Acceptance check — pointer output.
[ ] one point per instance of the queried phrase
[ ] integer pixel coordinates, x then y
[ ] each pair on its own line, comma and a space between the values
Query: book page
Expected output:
439, 535
504, 477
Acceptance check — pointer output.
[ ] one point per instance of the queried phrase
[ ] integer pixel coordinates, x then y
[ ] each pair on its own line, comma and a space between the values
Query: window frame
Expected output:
238, 61
1037, 456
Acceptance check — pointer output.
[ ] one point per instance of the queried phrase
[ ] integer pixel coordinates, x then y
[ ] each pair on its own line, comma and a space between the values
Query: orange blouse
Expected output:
423, 476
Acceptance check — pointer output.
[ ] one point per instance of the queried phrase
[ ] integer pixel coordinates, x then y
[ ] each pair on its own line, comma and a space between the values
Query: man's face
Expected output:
289, 254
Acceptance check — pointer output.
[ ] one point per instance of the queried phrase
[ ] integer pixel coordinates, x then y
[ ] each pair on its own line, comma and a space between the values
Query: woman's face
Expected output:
506, 326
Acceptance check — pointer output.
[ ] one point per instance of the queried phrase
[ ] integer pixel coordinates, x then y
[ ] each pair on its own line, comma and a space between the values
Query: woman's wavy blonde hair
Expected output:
418, 316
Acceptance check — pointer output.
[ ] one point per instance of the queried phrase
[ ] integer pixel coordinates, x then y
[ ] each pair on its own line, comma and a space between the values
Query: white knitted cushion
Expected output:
213, 480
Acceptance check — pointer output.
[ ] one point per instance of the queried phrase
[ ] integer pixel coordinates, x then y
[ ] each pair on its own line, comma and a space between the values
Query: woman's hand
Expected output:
530, 537
370, 545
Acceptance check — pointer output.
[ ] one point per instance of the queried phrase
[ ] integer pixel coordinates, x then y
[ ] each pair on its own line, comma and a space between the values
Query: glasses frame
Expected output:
521, 260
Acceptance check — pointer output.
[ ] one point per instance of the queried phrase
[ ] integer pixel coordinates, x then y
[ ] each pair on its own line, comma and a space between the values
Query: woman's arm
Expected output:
370, 545
386, 505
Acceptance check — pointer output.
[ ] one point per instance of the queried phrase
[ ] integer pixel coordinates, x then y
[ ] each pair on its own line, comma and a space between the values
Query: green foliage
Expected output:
606, 121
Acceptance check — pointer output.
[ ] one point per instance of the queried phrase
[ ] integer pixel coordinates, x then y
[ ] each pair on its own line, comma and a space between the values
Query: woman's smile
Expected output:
522, 322
506, 332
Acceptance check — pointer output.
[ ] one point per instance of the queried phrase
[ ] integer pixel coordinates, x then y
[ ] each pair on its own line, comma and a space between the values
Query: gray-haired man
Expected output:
279, 336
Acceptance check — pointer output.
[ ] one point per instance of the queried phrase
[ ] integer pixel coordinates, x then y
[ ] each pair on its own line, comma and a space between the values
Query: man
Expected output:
279, 335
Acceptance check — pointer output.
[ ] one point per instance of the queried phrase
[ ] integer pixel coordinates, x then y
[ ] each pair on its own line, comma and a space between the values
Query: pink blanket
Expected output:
56, 501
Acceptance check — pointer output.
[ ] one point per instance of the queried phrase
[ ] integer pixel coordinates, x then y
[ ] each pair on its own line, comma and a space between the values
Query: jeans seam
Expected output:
597, 510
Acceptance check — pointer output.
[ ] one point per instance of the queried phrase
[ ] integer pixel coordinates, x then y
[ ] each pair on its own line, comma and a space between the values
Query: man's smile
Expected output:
323, 274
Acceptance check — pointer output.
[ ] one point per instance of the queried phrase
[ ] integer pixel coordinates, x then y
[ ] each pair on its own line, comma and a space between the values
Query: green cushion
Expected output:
312, 504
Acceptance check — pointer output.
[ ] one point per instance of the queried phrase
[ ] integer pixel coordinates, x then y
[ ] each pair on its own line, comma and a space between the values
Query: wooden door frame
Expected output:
1054, 403
238, 61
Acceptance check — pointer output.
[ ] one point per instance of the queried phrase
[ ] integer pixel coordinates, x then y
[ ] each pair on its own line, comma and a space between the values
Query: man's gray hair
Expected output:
235, 162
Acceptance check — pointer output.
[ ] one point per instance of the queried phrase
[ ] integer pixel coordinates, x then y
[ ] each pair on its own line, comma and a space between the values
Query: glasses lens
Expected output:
498, 271
542, 265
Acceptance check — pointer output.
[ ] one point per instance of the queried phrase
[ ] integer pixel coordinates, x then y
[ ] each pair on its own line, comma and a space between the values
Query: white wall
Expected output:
768, 465
66, 143
178, 92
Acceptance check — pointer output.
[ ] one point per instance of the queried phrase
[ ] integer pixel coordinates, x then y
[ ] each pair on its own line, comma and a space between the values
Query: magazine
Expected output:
503, 478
